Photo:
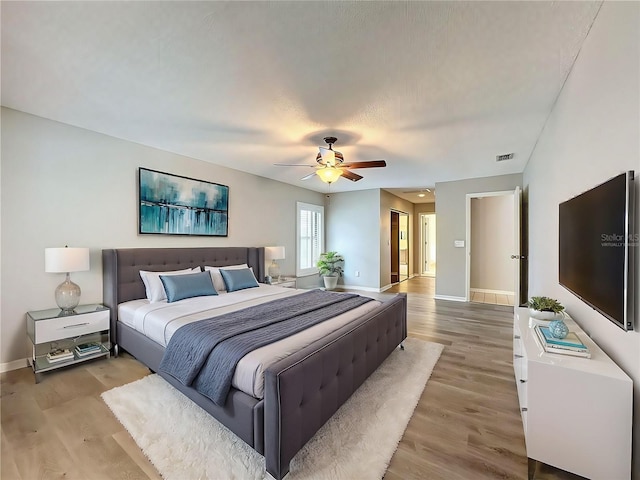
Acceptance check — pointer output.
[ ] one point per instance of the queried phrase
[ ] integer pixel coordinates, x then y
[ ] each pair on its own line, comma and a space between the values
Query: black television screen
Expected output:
596, 243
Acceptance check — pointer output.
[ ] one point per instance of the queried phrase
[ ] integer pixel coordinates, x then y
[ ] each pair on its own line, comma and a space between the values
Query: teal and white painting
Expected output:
176, 205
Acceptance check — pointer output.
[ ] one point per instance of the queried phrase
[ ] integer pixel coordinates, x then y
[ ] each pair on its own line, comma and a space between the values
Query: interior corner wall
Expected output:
389, 202
591, 136
353, 230
63, 185
451, 207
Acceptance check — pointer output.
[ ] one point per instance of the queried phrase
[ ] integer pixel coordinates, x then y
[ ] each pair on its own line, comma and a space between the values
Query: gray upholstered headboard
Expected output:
121, 279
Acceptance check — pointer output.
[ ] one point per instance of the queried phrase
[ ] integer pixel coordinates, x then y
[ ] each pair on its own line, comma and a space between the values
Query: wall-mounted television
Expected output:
596, 247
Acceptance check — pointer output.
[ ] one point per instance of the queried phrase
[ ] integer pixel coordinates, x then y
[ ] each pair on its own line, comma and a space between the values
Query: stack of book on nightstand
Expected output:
569, 345
86, 349
59, 355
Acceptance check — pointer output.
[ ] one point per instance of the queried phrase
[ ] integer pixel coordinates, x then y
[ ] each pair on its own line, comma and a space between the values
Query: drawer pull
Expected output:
523, 381
76, 325
517, 337
524, 409
517, 356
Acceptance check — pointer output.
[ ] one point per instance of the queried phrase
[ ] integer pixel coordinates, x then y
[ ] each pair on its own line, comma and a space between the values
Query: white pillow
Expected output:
216, 276
153, 284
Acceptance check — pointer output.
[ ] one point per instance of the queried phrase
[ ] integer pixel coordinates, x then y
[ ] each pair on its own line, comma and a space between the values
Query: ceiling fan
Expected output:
330, 164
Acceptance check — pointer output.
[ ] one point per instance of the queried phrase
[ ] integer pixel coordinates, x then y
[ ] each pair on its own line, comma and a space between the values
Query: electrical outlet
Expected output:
357, 273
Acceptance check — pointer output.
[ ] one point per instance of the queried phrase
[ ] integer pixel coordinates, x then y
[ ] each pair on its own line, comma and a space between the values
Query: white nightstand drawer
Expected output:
72, 326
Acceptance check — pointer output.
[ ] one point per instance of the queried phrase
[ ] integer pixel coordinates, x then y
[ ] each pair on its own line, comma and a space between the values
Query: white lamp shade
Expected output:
64, 260
329, 174
274, 253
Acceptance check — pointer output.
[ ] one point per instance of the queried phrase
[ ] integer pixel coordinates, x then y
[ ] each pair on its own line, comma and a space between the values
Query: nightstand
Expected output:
48, 331
287, 282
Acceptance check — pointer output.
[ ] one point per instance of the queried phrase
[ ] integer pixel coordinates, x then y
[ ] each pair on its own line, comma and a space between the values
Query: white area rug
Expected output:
184, 442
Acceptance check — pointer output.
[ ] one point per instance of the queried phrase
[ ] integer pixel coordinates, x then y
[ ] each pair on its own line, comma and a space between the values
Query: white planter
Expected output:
548, 316
330, 282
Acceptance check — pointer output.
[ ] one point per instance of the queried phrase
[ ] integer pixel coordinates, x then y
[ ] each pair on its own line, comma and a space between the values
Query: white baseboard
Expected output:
364, 289
15, 365
451, 298
497, 292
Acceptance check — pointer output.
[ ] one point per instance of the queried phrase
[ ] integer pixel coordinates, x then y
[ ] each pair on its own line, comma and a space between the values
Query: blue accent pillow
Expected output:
238, 279
187, 286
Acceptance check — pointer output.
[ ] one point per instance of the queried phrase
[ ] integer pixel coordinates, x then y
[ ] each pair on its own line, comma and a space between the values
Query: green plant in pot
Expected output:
545, 308
330, 268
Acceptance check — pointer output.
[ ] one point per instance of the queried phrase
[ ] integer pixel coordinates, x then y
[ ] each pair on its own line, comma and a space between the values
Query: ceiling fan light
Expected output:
328, 156
329, 174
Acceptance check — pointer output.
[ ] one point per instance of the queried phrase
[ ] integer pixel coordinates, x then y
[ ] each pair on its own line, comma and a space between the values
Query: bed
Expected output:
300, 392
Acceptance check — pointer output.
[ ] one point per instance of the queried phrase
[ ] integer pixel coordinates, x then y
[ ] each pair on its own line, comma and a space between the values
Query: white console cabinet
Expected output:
576, 412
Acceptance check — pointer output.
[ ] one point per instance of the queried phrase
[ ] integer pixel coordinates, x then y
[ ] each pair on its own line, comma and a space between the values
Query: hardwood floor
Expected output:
466, 425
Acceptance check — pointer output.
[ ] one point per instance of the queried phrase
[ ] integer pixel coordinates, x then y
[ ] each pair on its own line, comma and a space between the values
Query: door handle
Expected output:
518, 257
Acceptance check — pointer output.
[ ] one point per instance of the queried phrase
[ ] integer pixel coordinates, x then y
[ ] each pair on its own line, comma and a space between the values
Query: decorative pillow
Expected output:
179, 287
153, 284
218, 281
238, 279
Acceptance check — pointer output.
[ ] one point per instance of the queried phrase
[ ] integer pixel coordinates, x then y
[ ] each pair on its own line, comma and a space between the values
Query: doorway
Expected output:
493, 247
399, 246
428, 244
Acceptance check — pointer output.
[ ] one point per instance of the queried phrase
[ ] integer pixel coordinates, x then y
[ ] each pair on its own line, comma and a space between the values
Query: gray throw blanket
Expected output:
204, 354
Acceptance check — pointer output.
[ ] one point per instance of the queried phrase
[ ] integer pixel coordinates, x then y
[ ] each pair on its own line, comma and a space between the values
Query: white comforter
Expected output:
159, 321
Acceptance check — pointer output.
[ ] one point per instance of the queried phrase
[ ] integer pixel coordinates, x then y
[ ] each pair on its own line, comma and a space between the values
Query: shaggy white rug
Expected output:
184, 442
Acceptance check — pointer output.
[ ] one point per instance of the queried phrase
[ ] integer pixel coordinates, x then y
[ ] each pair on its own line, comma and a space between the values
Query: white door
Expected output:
428, 244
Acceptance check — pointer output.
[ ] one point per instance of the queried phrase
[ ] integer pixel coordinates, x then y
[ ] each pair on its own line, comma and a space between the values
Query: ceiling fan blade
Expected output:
354, 177
293, 165
307, 177
371, 164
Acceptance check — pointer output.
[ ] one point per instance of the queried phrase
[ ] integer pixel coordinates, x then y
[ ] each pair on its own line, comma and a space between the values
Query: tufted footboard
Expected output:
304, 390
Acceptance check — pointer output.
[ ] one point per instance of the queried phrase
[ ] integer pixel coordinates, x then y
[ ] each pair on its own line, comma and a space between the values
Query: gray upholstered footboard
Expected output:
304, 390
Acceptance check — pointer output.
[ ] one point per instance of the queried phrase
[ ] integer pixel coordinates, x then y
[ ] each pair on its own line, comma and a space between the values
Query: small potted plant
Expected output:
545, 308
330, 269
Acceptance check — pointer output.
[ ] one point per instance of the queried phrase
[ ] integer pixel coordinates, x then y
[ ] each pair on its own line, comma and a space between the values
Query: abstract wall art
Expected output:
176, 205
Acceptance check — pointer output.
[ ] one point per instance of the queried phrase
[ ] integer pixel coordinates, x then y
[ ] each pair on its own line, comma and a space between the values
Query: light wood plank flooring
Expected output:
466, 425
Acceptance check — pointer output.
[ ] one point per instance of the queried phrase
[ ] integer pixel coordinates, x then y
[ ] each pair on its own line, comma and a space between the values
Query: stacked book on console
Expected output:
569, 345
59, 355
86, 349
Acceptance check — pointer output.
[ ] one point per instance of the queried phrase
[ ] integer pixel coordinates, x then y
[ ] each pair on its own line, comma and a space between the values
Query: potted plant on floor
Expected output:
329, 267
545, 308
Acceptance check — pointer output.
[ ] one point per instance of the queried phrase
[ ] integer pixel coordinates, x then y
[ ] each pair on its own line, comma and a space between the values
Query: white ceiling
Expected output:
437, 89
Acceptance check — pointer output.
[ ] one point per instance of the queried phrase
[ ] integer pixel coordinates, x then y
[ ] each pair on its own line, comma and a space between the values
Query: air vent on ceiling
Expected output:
502, 158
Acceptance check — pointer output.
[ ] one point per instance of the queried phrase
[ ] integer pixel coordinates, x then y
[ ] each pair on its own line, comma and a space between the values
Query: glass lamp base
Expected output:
67, 296
274, 270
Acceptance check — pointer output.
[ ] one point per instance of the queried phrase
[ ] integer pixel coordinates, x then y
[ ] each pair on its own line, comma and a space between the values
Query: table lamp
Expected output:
273, 254
66, 260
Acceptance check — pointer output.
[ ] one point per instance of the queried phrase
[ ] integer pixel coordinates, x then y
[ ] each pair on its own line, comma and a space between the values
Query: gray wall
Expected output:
353, 229
63, 185
591, 136
359, 227
451, 211
492, 229
390, 202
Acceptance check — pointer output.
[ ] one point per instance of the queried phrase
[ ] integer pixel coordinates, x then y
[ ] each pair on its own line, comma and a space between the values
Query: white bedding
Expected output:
159, 321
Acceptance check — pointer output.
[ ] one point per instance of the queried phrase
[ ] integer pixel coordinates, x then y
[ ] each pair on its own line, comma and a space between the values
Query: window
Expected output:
310, 237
